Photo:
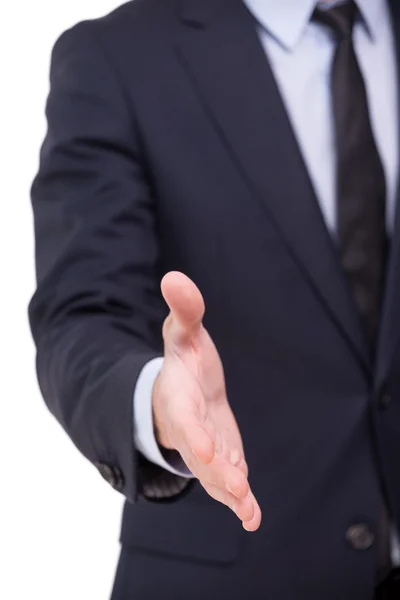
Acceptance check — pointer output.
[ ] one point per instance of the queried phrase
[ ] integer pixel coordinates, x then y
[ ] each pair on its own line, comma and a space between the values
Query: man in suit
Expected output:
244, 155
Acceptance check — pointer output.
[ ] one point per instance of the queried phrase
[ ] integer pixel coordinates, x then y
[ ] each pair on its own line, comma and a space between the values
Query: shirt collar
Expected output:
287, 20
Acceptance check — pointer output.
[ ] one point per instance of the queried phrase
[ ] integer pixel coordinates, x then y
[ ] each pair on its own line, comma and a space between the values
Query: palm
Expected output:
203, 373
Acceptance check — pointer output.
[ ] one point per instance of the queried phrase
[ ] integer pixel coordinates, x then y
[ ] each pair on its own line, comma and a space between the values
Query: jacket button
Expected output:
112, 475
385, 398
360, 537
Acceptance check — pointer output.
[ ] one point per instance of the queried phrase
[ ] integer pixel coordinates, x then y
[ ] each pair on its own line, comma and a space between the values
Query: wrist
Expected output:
158, 420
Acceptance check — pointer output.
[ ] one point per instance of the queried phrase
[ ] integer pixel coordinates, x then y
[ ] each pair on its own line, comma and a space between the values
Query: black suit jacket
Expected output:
168, 148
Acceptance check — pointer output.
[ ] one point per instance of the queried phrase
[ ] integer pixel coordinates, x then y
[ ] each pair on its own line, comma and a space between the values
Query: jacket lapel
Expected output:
390, 329
227, 65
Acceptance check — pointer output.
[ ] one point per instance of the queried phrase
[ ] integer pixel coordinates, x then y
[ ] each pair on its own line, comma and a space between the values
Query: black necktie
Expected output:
360, 178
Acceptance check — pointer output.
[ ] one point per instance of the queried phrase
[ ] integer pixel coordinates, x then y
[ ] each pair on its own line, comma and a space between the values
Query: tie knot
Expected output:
340, 18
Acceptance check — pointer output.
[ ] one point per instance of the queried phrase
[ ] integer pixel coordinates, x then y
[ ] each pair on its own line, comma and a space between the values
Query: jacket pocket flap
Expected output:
186, 531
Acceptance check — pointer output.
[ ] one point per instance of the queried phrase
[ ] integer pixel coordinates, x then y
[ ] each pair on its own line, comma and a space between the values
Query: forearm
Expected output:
87, 373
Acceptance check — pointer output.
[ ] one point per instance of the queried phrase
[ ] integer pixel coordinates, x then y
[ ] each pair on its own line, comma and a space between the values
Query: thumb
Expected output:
186, 305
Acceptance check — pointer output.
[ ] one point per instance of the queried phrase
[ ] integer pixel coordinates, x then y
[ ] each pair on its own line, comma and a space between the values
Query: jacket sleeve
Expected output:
97, 313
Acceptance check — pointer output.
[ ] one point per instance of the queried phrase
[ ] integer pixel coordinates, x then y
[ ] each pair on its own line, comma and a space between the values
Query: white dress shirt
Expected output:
300, 53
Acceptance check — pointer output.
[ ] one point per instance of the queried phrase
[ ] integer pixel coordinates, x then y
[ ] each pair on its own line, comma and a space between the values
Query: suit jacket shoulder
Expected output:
134, 28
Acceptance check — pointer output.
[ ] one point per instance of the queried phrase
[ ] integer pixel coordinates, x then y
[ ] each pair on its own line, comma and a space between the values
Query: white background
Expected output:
59, 522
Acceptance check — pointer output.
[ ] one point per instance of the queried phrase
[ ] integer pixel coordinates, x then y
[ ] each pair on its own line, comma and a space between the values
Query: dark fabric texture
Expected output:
390, 588
169, 147
361, 188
